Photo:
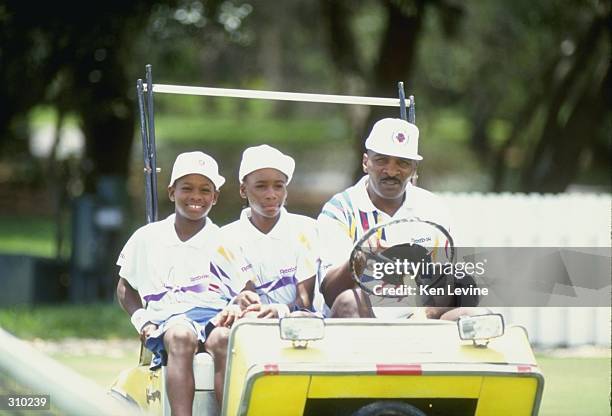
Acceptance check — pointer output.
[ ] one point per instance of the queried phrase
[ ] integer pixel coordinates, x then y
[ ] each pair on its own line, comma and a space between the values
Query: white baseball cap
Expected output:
394, 137
264, 156
196, 162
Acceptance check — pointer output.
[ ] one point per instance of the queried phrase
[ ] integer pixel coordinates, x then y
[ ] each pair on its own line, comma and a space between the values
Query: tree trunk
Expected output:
396, 62
541, 173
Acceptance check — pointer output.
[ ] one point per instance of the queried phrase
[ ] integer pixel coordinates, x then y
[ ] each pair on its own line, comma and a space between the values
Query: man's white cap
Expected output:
264, 156
394, 137
196, 162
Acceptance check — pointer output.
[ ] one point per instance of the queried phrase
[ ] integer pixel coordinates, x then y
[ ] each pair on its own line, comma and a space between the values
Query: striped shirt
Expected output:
349, 214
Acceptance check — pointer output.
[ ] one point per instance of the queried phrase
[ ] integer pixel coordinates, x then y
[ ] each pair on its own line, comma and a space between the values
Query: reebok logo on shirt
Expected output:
289, 270
200, 277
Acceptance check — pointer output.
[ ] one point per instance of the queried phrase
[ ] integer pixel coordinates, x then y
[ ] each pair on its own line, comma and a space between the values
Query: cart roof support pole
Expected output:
148, 172
402, 100
151, 134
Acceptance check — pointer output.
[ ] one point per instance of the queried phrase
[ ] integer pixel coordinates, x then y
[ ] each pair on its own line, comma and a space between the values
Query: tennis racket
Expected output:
395, 256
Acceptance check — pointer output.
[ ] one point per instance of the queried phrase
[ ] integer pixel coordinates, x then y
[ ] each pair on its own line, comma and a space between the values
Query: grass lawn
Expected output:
30, 235
103, 320
100, 368
575, 386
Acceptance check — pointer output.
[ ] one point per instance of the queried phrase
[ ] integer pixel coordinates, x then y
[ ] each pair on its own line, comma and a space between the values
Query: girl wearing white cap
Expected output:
180, 269
279, 245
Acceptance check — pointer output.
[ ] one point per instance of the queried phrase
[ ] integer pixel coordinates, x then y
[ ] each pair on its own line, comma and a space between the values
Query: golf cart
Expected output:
361, 367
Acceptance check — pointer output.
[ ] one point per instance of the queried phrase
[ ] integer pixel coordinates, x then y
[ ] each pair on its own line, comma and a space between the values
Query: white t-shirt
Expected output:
281, 258
349, 214
174, 276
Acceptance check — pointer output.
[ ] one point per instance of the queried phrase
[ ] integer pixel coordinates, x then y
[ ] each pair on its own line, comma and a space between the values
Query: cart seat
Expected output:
204, 371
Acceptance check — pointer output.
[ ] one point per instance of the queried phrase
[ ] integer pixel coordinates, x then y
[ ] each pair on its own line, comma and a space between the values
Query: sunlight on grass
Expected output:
101, 369
575, 386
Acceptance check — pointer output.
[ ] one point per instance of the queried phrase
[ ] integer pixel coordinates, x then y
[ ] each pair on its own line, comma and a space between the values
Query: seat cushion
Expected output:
204, 371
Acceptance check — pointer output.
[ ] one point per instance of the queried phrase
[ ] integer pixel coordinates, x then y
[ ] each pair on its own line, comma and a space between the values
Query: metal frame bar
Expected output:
69, 391
145, 153
152, 147
412, 110
275, 95
402, 99
147, 119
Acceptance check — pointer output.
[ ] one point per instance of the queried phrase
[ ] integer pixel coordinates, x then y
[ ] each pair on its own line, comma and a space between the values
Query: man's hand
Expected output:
227, 316
247, 298
273, 310
456, 313
360, 262
435, 312
147, 330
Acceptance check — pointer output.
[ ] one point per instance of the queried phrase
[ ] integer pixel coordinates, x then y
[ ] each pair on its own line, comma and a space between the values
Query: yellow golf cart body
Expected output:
360, 361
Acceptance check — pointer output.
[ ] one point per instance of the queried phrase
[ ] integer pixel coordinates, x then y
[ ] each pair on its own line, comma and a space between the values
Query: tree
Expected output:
578, 97
394, 58
540, 70
78, 63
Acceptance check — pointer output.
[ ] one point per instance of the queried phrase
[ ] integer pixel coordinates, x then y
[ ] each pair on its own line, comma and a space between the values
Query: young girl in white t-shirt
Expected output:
186, 277
280, 246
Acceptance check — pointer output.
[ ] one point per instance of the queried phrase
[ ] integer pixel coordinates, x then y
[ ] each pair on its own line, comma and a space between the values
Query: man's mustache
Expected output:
390, 179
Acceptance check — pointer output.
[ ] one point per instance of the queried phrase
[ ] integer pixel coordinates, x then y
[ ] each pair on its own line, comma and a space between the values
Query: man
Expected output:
385, 193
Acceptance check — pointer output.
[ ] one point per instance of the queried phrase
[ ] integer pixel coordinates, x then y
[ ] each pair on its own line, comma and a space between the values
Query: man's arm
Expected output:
336, 243
337, 280
305, 293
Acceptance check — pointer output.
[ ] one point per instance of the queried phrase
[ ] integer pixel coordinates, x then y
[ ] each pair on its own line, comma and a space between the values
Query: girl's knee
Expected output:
180, 338
217, 340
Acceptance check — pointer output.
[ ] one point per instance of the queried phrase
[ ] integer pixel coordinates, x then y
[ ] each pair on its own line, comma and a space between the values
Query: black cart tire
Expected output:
389, 409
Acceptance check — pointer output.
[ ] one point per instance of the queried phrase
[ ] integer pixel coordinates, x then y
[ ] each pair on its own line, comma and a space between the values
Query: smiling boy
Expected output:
185, 276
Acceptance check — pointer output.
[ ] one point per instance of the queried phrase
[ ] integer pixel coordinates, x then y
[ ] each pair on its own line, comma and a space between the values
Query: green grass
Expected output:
27, 235
103, 321
575, 386
187, 129
101, 369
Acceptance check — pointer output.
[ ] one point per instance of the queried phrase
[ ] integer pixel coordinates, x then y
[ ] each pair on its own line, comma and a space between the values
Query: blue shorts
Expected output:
197, 319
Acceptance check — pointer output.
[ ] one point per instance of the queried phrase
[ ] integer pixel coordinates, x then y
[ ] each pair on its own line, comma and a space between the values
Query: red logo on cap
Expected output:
400, 137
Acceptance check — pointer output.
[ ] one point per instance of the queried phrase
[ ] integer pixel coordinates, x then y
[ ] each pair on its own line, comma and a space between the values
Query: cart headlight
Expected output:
301, 329
481, 328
